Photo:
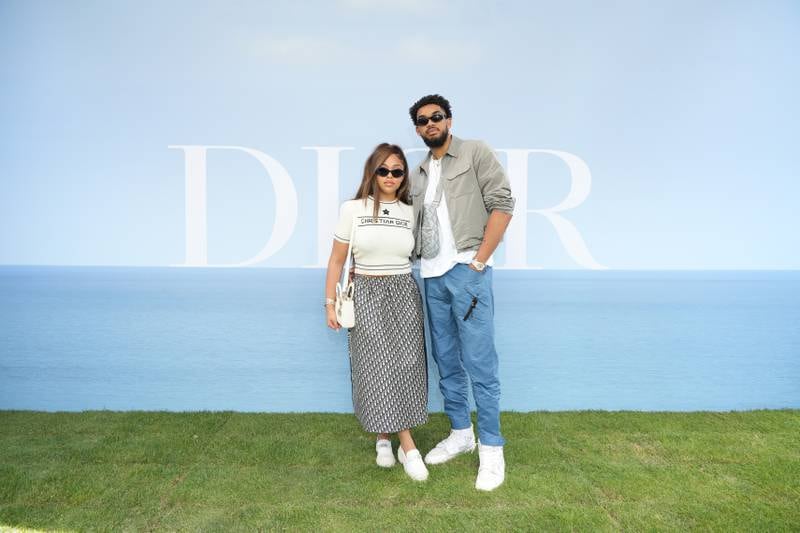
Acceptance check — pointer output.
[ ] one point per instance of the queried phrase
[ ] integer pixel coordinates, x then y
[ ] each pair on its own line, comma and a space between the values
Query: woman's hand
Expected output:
331, 318
335, 265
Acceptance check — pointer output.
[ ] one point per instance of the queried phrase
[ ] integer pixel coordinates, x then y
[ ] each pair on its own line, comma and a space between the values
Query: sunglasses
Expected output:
395, 172
423, 120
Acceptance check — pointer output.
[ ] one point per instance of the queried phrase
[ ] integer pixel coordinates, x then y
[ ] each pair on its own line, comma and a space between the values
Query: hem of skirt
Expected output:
382, 273
395, 429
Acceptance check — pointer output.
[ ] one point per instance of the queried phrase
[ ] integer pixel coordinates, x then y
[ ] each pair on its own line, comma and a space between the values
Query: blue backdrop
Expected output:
643, 141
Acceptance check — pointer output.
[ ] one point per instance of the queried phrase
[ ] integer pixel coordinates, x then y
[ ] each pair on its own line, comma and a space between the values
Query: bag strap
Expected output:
438, 196
346, 270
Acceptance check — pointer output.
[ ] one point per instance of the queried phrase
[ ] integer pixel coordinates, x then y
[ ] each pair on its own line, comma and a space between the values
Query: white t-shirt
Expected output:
448, 253
382, 246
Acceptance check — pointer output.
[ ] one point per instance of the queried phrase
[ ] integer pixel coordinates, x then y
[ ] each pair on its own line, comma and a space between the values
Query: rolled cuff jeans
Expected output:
460, 306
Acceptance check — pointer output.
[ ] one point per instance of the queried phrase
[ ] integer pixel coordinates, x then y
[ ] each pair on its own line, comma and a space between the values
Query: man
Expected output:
461, 184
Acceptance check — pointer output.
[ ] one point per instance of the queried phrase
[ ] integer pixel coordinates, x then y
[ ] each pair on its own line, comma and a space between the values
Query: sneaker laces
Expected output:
453, 442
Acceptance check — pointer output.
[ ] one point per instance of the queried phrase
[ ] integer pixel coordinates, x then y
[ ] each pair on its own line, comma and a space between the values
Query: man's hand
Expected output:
470, 265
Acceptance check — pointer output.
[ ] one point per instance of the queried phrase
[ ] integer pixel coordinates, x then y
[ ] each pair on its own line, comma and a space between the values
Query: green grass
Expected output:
587, 471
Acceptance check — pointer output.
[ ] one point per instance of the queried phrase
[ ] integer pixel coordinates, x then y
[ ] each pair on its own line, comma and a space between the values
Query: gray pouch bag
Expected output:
429, 232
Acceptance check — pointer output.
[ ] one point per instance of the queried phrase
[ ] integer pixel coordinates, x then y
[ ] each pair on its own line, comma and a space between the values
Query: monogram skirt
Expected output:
388, 366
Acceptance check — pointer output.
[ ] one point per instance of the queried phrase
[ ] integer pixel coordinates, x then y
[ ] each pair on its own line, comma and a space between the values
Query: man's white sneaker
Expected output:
412, 464
459, 441
492, 469
385, 457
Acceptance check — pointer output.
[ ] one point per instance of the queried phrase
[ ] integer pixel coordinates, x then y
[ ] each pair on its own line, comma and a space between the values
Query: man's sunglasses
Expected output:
395, 172
423, 120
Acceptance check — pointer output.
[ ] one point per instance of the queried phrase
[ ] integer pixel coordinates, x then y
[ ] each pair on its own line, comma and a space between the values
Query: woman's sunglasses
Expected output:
423, 120
395, 172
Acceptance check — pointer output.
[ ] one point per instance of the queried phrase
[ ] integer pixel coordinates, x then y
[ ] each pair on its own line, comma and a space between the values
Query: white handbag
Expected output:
344, 306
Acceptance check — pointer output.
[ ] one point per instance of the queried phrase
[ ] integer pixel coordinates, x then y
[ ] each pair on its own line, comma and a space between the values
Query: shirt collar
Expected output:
387, 203
455, 146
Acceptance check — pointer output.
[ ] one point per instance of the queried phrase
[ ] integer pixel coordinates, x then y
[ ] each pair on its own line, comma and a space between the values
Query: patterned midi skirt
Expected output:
388, 366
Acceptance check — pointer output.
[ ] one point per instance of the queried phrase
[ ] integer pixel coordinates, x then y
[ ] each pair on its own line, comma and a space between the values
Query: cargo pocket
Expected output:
475, 300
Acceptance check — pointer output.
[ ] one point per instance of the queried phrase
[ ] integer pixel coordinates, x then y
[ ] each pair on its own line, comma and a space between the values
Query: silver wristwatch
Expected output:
478, 265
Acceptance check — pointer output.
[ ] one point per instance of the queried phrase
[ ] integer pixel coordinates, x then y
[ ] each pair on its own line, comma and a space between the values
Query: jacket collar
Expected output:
453, 150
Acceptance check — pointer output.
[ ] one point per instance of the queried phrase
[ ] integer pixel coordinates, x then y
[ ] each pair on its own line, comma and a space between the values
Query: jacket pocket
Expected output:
463, 182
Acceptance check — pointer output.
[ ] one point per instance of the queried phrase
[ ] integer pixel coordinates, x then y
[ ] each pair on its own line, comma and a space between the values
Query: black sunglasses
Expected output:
395, 172
423, 120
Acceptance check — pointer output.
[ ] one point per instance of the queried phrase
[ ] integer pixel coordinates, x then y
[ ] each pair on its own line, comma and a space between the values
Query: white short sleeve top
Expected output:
383, 245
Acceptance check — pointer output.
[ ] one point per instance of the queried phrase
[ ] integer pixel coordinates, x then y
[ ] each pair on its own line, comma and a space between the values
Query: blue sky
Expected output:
686, 114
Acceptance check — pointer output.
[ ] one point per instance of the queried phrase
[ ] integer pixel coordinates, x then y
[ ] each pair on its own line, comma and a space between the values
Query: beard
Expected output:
438, 141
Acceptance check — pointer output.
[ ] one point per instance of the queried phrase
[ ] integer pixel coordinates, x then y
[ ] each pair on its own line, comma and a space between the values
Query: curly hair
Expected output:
436, 99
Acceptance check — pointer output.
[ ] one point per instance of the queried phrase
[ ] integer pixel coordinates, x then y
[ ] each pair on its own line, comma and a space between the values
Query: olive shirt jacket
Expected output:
473, 184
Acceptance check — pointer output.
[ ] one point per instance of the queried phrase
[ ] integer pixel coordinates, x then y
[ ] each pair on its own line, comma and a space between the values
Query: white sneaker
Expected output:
385, 457
492, 470
459, 441
412, 464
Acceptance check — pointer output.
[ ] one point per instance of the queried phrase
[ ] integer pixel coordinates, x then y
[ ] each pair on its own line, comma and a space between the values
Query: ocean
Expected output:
181, 339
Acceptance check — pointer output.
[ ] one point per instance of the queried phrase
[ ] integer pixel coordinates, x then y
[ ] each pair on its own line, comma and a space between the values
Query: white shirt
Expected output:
448, 253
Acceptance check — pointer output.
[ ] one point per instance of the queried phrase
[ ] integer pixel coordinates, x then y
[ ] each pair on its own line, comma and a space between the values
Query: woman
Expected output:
387, 347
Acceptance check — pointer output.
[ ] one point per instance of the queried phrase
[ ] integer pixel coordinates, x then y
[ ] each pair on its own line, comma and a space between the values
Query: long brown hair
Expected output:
369, 183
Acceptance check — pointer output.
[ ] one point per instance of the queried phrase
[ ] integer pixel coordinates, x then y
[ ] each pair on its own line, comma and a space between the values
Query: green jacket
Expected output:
474, 184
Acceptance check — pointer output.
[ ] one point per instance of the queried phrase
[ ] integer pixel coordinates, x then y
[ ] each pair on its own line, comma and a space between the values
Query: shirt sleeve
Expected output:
493, 181
345, 224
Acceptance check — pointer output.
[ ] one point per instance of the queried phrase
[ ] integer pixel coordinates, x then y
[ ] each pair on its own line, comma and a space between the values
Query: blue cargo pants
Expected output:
460, 306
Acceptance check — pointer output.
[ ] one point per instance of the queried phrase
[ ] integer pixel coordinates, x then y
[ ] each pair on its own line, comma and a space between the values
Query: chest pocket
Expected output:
463, 181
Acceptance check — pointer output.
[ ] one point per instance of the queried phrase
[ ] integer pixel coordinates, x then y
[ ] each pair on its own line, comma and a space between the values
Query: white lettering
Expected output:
328, 161
516, 235
196, 223
327, 198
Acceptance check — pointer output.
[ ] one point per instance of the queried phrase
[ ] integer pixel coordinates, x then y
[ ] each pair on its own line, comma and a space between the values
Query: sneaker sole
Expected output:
419, 480
385, 465
491, 489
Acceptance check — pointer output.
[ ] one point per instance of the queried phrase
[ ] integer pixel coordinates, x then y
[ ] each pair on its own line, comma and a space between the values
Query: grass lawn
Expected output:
586, 471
